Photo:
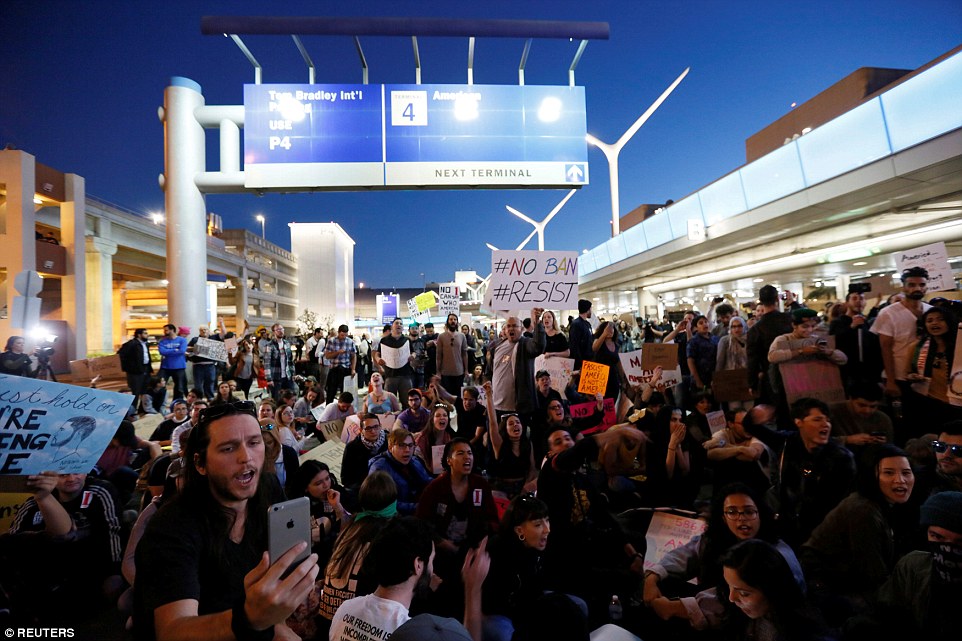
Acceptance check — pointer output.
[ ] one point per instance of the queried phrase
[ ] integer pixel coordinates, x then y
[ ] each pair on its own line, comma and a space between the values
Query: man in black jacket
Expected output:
762, 334
135, 361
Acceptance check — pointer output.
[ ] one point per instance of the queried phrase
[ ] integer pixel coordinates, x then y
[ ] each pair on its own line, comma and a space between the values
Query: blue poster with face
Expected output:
47, 426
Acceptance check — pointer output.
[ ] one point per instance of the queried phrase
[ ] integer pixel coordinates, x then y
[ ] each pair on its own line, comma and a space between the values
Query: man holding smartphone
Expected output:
202, 567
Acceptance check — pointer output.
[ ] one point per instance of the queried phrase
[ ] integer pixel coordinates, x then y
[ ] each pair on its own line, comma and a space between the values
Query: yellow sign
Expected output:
9, 504
424, 301
594, 378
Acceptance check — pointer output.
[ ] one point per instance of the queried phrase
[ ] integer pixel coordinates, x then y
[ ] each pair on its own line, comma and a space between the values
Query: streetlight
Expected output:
611, 151
260, 218
539, 227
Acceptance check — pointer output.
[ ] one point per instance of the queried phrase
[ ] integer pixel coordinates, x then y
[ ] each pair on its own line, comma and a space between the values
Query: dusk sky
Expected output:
82, 82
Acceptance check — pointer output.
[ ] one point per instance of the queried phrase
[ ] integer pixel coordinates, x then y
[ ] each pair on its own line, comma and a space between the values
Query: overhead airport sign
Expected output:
405, 136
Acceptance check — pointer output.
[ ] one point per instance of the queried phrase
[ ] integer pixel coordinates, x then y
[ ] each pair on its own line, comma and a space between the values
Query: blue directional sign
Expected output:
396, 136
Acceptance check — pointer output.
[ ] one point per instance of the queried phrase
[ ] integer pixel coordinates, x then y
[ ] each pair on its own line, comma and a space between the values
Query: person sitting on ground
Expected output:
303, 416
371, 442
857, 423
513, 468
378, 400
734, 455
64, 542
342, 408
401, 561
853, 551
163, 433
314, 480
415, 417
407, 470
223, 395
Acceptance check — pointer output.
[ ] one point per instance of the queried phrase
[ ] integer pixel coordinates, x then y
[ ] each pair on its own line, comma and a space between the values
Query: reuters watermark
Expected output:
39, 633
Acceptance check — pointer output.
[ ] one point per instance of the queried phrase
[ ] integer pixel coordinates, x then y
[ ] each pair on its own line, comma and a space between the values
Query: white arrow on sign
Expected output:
574, 173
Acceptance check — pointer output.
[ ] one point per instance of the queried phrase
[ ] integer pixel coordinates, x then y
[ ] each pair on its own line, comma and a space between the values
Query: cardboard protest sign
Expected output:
425, 301
664, 355
53, 426
594, 378
637, 374
582, 410
935, 259
528, 279
211, 349
449, 299
9, 504
330, 452
731, 385
559, 368
716, 421
396, 357
231, 345
667, 532
812, 379
105, 367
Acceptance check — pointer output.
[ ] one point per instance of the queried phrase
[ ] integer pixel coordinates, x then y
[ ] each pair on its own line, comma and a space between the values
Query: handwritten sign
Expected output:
449, 299
559, 368
211, 349
52, 426
396, 357
425, 301
716, 421
10, 503
330, 452
637, 374
594, 378
934, 259
664, 355
581, 410
527, 279
667, 532
437, 455
812, 379
105, 367
231, 345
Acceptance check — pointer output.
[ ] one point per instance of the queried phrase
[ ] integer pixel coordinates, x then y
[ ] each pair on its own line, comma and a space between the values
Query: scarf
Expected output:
376, 445
384, 513
737, 355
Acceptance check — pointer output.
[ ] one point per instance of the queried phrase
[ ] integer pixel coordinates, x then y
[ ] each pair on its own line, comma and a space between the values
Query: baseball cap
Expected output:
428, 627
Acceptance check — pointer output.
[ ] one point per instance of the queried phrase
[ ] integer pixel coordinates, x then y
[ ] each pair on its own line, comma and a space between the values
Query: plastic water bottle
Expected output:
614, 608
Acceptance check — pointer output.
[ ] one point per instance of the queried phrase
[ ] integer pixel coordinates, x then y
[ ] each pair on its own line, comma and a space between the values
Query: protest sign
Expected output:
316, 412
10, 502
731, 385
210, 349
437, 455
667, 532
934, 259
594, 378
716, 421
425, 301
812, 379
53, 426
396, 357
582, 410
449, 299
664, 355
559, 368
637, 374
105, 367
528, 279
231, 345
330, 452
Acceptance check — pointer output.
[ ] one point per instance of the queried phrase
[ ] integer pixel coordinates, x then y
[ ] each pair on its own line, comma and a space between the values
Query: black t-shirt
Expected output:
165, 430
468, 422
396, 343
555, 344
176, 561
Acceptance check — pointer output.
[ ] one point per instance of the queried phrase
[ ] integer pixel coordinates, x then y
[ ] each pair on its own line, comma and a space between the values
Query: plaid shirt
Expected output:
341, 360
271, 356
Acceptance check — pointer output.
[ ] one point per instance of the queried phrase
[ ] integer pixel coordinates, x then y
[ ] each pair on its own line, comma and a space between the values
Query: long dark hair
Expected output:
377, 492
950, 336
762, 566
719, 538
524, 443
306, 473
214, 519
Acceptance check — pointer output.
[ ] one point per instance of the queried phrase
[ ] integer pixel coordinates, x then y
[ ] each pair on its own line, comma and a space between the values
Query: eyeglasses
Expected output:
941, 447
371, 428
237, 407
405, 446
750, 514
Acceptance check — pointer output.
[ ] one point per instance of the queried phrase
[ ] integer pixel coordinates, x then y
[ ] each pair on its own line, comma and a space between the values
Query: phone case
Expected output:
288, 524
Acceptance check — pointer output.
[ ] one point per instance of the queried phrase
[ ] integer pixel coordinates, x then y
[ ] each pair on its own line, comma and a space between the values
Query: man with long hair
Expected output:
202, 568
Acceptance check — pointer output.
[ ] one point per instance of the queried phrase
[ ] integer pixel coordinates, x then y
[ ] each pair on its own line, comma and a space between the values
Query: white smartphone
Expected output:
288, 524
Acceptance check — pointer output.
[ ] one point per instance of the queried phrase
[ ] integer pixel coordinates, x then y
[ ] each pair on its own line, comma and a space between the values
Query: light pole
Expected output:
539, 227
260, 218
611, 151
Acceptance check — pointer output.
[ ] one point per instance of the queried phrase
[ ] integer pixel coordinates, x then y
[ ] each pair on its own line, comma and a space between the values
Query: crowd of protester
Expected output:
472, 499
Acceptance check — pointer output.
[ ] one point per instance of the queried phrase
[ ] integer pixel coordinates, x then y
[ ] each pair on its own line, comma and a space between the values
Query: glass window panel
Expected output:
772, 176
681, 212
925, 106
723, 199
635, 241
853, 139
657, 230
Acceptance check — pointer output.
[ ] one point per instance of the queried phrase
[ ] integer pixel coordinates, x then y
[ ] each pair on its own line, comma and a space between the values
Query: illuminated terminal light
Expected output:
466, 107
859, 263
550, 109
